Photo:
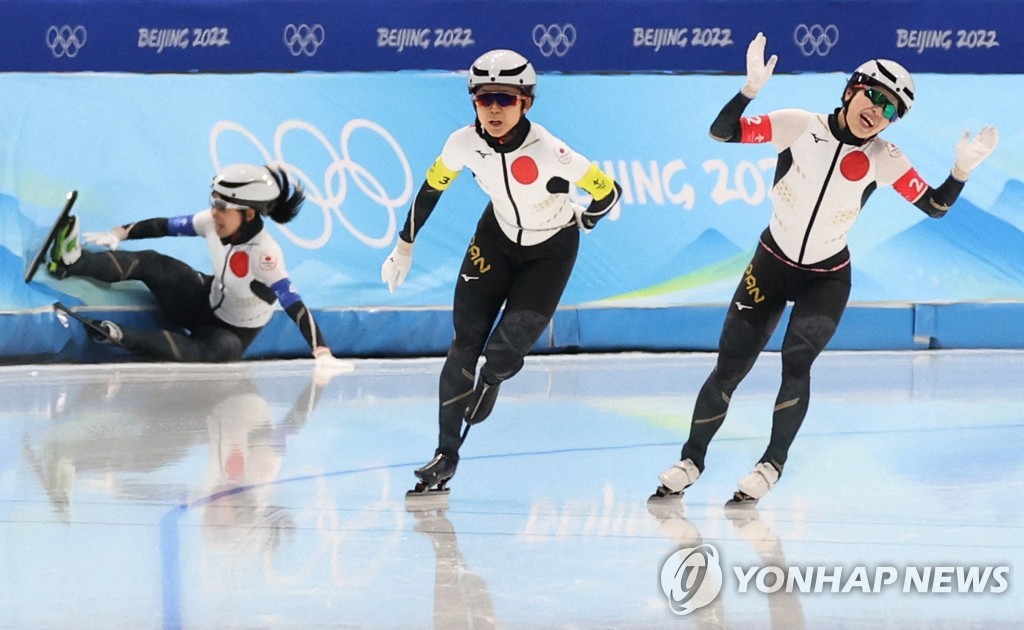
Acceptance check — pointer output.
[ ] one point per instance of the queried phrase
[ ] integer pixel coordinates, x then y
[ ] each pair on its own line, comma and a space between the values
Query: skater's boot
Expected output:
676, 479
756, 484
66, 249
434, 475
438, 470
481, 401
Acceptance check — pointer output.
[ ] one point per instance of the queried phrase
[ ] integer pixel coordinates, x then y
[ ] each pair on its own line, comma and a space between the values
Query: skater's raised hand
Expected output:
758, 72
970, 153
396, 266
110, 239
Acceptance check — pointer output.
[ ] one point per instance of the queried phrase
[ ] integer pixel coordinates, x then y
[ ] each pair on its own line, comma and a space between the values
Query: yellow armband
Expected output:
440, 177
597, 183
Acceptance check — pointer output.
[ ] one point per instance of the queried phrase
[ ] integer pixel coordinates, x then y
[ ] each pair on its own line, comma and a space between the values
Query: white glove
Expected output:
758, 72
110, 239
396, 266
971, 153
577, 211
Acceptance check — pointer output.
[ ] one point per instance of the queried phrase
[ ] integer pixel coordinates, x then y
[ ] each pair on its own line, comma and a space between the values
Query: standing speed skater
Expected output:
828, 165
522, 253
216, 316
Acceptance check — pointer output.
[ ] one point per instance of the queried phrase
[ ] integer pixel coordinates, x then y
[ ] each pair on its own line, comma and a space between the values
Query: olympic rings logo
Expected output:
65, 41
331, 192
816, 39
303, 39
554, 39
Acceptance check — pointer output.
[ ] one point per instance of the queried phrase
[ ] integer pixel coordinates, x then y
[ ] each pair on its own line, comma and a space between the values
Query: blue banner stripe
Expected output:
593, 36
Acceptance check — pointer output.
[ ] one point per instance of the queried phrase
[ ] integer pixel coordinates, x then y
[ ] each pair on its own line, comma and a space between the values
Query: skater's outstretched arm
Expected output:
147, 228
426, 200
396, 266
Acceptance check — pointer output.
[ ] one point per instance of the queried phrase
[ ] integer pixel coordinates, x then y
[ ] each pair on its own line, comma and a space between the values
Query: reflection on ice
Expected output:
266, 495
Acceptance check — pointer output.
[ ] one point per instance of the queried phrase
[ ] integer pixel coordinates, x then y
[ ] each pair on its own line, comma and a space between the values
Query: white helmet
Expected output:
890, 75
503, 67
247, 185
263, 188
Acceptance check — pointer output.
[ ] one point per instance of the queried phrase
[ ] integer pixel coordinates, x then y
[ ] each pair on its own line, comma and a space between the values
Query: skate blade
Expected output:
741, 500
430, 501
663, 493
423, 498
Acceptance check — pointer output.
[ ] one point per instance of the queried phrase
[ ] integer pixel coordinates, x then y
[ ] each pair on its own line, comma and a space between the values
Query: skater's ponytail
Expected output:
289, 198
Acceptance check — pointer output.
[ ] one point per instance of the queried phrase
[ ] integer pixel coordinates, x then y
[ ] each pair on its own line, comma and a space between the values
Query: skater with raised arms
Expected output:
219, 315
521, 255
828, 165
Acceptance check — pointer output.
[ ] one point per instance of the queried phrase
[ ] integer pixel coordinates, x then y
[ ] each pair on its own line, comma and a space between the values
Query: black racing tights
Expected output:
819, 298
184, 297
529, 281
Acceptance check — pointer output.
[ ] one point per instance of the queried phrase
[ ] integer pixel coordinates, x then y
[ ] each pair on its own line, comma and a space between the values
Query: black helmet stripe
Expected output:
512, 72
894, 79
888, 75
229, 184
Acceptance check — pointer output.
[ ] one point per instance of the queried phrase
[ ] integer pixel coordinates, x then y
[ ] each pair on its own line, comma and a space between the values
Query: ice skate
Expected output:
67, 248
102, 331
44, 253
740, 500
434, 477
481, 401
676, 479
755, 485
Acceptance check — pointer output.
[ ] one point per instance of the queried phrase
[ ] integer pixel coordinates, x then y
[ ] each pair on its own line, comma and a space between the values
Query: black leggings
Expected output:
184, 297
819, 298
529, 281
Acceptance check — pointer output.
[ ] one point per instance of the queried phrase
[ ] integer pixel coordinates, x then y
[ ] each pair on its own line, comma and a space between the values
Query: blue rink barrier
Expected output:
967, 325
947, 36
36, 337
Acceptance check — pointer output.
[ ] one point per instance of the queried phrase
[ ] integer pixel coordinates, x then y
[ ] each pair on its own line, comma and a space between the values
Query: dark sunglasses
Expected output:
502, 99
889, 111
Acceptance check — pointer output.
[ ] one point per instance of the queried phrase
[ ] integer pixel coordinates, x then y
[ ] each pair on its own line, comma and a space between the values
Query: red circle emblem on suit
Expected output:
854, 166
240, 264
524, 169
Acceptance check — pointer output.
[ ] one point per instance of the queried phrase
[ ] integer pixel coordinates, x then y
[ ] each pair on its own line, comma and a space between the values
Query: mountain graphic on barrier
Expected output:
970, 254
710, 267
709, 248
1010, 205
